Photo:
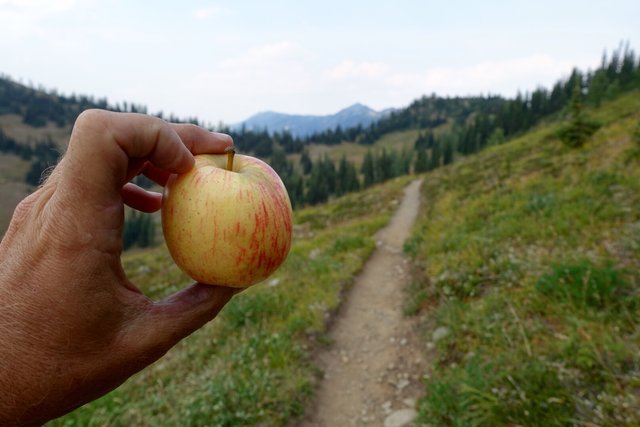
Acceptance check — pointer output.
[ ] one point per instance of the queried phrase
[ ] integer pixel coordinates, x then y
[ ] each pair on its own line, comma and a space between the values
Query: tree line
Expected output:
448, 127
494, 124
43, 154
475, 121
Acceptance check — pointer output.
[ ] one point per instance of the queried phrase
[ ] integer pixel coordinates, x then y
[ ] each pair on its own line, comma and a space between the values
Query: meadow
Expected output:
527, 275
253, 364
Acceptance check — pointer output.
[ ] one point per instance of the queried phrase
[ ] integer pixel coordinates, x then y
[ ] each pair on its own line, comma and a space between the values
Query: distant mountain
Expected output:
304, 125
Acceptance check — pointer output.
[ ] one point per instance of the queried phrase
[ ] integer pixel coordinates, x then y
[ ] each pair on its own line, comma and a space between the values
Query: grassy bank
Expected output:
252, 365
527, 264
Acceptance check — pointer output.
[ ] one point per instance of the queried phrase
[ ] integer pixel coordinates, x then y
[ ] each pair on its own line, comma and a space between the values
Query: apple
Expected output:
227, 221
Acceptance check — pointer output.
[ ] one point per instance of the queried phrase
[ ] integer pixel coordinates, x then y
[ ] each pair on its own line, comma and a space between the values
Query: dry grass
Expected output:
13, 127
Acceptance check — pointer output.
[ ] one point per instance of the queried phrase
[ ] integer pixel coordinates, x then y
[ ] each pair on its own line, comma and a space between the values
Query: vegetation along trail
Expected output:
369, 368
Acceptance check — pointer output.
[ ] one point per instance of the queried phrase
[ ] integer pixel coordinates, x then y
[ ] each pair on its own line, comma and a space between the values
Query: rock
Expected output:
400, 418
274, 282
402, 384
440, 333
411, 403
314, 253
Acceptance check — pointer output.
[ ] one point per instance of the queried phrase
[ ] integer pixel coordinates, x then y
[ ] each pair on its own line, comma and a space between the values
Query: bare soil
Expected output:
373, 368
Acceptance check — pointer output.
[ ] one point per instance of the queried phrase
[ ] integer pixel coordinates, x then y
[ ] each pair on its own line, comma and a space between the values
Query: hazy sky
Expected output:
225, 60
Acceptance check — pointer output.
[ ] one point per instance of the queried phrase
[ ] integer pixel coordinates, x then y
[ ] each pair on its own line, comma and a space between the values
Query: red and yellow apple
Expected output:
228, 220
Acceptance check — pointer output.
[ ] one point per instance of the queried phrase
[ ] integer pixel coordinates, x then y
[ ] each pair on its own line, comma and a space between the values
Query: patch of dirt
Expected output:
373, 368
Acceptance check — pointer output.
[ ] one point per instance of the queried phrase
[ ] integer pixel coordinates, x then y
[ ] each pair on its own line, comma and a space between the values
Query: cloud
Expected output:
41, 7
355, 70
20, 18
208, 12
285, 76
268, 76
502, 76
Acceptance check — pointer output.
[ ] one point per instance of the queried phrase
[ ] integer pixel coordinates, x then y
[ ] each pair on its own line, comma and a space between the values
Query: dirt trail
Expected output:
373, 367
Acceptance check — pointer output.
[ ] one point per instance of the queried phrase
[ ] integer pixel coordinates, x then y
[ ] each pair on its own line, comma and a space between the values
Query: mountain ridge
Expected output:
302, 125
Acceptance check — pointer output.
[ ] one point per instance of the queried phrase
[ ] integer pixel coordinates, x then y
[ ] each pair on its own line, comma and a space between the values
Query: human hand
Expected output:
72, 326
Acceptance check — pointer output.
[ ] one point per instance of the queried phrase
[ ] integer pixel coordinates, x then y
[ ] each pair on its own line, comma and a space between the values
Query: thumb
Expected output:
164, 323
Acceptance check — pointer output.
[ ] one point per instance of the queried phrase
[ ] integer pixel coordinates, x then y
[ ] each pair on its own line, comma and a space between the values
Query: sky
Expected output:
222, 61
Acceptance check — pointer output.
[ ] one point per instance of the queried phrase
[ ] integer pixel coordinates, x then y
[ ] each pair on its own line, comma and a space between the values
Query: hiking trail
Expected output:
373, 367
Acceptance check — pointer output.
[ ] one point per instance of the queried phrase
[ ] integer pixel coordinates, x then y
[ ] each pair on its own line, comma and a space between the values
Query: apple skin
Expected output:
229, 228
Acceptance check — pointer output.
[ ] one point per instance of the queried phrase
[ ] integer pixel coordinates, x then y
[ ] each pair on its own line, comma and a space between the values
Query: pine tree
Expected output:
575, 133
328, 170
368, 169
295, 187
279, 161
436, 156
139, 229
597, 87
447, 155
317, 190
384, 166
422, 162
347, 177
305, 162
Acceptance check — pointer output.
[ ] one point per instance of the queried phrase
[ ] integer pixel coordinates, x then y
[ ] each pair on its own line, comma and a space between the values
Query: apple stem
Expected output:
231, 151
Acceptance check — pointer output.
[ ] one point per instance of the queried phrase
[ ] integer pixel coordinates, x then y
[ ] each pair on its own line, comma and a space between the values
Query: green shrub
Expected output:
585, 285
503, 392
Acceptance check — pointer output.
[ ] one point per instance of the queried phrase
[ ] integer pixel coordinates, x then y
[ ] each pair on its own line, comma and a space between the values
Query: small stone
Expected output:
411, 403
274, 282
403, 342
400, 418
440, 333
402, 384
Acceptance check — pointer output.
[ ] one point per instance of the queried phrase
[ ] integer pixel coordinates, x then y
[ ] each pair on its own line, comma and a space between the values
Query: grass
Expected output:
398, 141
402, 140
529, 255
14, 127
12, 186
252, 365
352, 151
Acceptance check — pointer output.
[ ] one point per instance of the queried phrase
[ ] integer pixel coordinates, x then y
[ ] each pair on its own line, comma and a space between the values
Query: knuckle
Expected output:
90, 116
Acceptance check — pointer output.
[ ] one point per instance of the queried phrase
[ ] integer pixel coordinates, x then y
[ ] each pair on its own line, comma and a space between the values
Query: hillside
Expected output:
432, 131
305, 125
527, 273
525, 258
252, 365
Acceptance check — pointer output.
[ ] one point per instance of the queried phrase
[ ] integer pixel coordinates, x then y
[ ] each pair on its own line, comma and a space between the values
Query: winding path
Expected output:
372, 369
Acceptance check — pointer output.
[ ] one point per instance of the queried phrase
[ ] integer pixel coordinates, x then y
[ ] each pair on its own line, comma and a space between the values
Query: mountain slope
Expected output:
305, 125
527, 264
251, 365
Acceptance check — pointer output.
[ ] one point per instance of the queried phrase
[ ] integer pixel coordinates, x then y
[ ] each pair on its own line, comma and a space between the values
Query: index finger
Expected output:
104, 146
201, 141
